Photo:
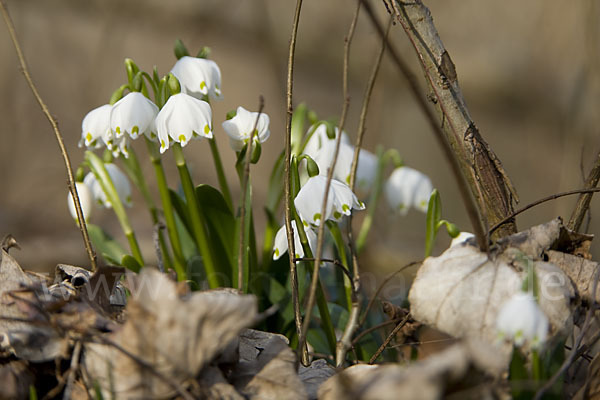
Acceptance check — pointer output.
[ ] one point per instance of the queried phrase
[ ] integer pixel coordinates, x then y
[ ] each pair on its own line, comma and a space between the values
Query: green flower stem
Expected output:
339, 244
165, 198
197, 218
536, 369
390, 155
133, 169
97, 166
220, 172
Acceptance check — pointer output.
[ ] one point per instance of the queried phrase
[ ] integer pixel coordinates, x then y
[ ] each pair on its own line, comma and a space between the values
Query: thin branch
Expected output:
540, 201
336, 263
389, 338
245, 179
321, 232
72, 370
287, 186
468, 201
381, 286
374, 328
583, 202
63, 150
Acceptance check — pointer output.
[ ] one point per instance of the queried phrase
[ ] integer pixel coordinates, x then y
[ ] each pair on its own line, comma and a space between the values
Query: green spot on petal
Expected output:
202, 85
135, 129
153, 135
206, 129
162, 144
345, 207
276, 252
88, 137
317, 217
337, 215
182, 139
305, 223
118, 130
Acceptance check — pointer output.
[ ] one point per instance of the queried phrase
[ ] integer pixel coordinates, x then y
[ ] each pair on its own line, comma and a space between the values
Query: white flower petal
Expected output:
95, 127
86, 199
521, 320
182, 118
198, 77
406, 187
461, 238
120, 181
319, 138
280, 246
239, 128
133, 114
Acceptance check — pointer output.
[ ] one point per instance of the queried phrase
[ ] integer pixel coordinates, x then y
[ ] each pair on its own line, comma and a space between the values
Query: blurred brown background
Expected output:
529, 72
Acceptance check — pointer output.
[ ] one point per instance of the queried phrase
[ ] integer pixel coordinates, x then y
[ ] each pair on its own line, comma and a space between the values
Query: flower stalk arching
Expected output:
97, 167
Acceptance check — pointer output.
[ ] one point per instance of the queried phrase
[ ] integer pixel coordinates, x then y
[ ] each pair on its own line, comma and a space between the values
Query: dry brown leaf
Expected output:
15, 379
591, 388
176, 336
267, 368
580, 270
461, 291
427, 379
214, 386
314, 376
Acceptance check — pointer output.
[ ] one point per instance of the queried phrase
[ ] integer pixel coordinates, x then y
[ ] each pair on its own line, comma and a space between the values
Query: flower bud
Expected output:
174, 86
311, 167
256, 150
203, 53
180, 49
136, 84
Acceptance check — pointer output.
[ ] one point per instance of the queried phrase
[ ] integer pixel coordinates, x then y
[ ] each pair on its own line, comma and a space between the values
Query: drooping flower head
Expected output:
340, 200
522, 320
319, 138
86, 199
134, 115
280, 246
367, 163
95, 128
407, 187
240, 127
120, 181
198, 77
181, 119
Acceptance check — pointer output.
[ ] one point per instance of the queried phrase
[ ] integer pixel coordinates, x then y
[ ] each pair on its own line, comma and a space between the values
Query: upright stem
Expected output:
220, 172
197, 218
287, 185
165, 198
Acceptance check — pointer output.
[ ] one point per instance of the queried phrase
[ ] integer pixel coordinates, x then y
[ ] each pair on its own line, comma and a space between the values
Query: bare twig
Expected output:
72, 370
470, 205
243, 211
389, 338
321, 232
540, 201
374, 328
59, 139
287, 186
336, 263
381, 286
583, 202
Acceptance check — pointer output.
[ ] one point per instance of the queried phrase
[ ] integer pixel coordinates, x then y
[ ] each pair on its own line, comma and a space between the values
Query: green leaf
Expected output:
110, 249
221, 225
130, 263
181, 210
275, 193
180, 50
434, 215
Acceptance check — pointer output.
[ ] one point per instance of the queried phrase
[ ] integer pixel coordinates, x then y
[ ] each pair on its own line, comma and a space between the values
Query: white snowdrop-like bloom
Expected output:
407, 187
120, 181
95, 128
461, 238
340, 200
133, 114
367, 164
280, 247
86, 199
319, 138
521, 320
239, 128
181, 119
198, 77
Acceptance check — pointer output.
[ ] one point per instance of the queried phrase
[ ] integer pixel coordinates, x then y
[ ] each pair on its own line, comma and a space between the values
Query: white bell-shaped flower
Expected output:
406, 187
181, 119
367, 164
95, 128
461, 238
240, 127
198, 77
319, 138
280, 247
340, 200
522, 320
120, 181
133, 114
86, 199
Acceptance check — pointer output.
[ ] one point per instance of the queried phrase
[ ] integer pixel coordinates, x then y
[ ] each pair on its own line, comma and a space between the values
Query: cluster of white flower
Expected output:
522, 321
